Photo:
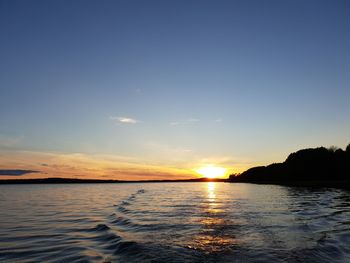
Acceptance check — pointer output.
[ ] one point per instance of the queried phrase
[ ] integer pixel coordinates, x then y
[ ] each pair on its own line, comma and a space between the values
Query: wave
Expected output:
99, 227
154, 223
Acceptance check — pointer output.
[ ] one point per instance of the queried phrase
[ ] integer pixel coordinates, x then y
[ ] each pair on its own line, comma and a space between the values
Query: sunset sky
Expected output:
160, 89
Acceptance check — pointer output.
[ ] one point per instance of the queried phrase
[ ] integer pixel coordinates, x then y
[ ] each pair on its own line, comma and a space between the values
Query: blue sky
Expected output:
235, 83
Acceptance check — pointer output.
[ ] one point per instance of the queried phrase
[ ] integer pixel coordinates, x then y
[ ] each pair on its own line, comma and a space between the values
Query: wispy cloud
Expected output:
80, 165
124, 120
183, 122
14, 172
192, 121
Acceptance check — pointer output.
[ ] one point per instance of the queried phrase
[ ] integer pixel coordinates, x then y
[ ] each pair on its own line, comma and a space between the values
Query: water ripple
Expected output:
199, 222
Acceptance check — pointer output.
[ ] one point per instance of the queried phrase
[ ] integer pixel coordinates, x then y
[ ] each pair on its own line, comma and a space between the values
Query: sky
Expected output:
156, 89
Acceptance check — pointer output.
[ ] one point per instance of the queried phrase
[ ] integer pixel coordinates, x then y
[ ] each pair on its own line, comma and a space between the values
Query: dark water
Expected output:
173, 222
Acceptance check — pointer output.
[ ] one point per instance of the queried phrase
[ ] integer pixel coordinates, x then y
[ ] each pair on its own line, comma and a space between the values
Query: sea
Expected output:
173, 222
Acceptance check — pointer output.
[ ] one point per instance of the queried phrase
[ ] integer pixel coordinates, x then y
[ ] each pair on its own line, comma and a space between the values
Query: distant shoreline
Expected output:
98, 181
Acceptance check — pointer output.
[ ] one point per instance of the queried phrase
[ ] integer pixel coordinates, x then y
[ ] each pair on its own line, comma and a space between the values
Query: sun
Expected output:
211, 171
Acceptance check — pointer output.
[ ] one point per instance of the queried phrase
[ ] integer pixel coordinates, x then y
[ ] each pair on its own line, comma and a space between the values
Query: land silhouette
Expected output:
56, 180
307, 167
325, 167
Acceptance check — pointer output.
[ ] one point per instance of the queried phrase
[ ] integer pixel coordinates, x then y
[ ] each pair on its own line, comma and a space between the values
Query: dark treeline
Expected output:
99, 181
307, 165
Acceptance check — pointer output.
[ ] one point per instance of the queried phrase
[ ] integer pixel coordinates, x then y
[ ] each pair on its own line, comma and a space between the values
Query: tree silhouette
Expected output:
314, 164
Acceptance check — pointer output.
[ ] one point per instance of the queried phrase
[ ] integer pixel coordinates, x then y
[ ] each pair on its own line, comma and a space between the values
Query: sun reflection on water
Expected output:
213, 204
211, 191
214, 234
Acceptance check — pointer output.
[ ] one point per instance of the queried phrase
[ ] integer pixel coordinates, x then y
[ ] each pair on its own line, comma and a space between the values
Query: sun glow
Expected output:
212, 171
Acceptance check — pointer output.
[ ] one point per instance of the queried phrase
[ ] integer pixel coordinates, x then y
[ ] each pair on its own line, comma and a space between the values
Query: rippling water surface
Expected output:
173, 222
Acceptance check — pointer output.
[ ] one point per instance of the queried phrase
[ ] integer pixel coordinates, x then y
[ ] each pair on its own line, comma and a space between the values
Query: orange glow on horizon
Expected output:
87, 166
101, 166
